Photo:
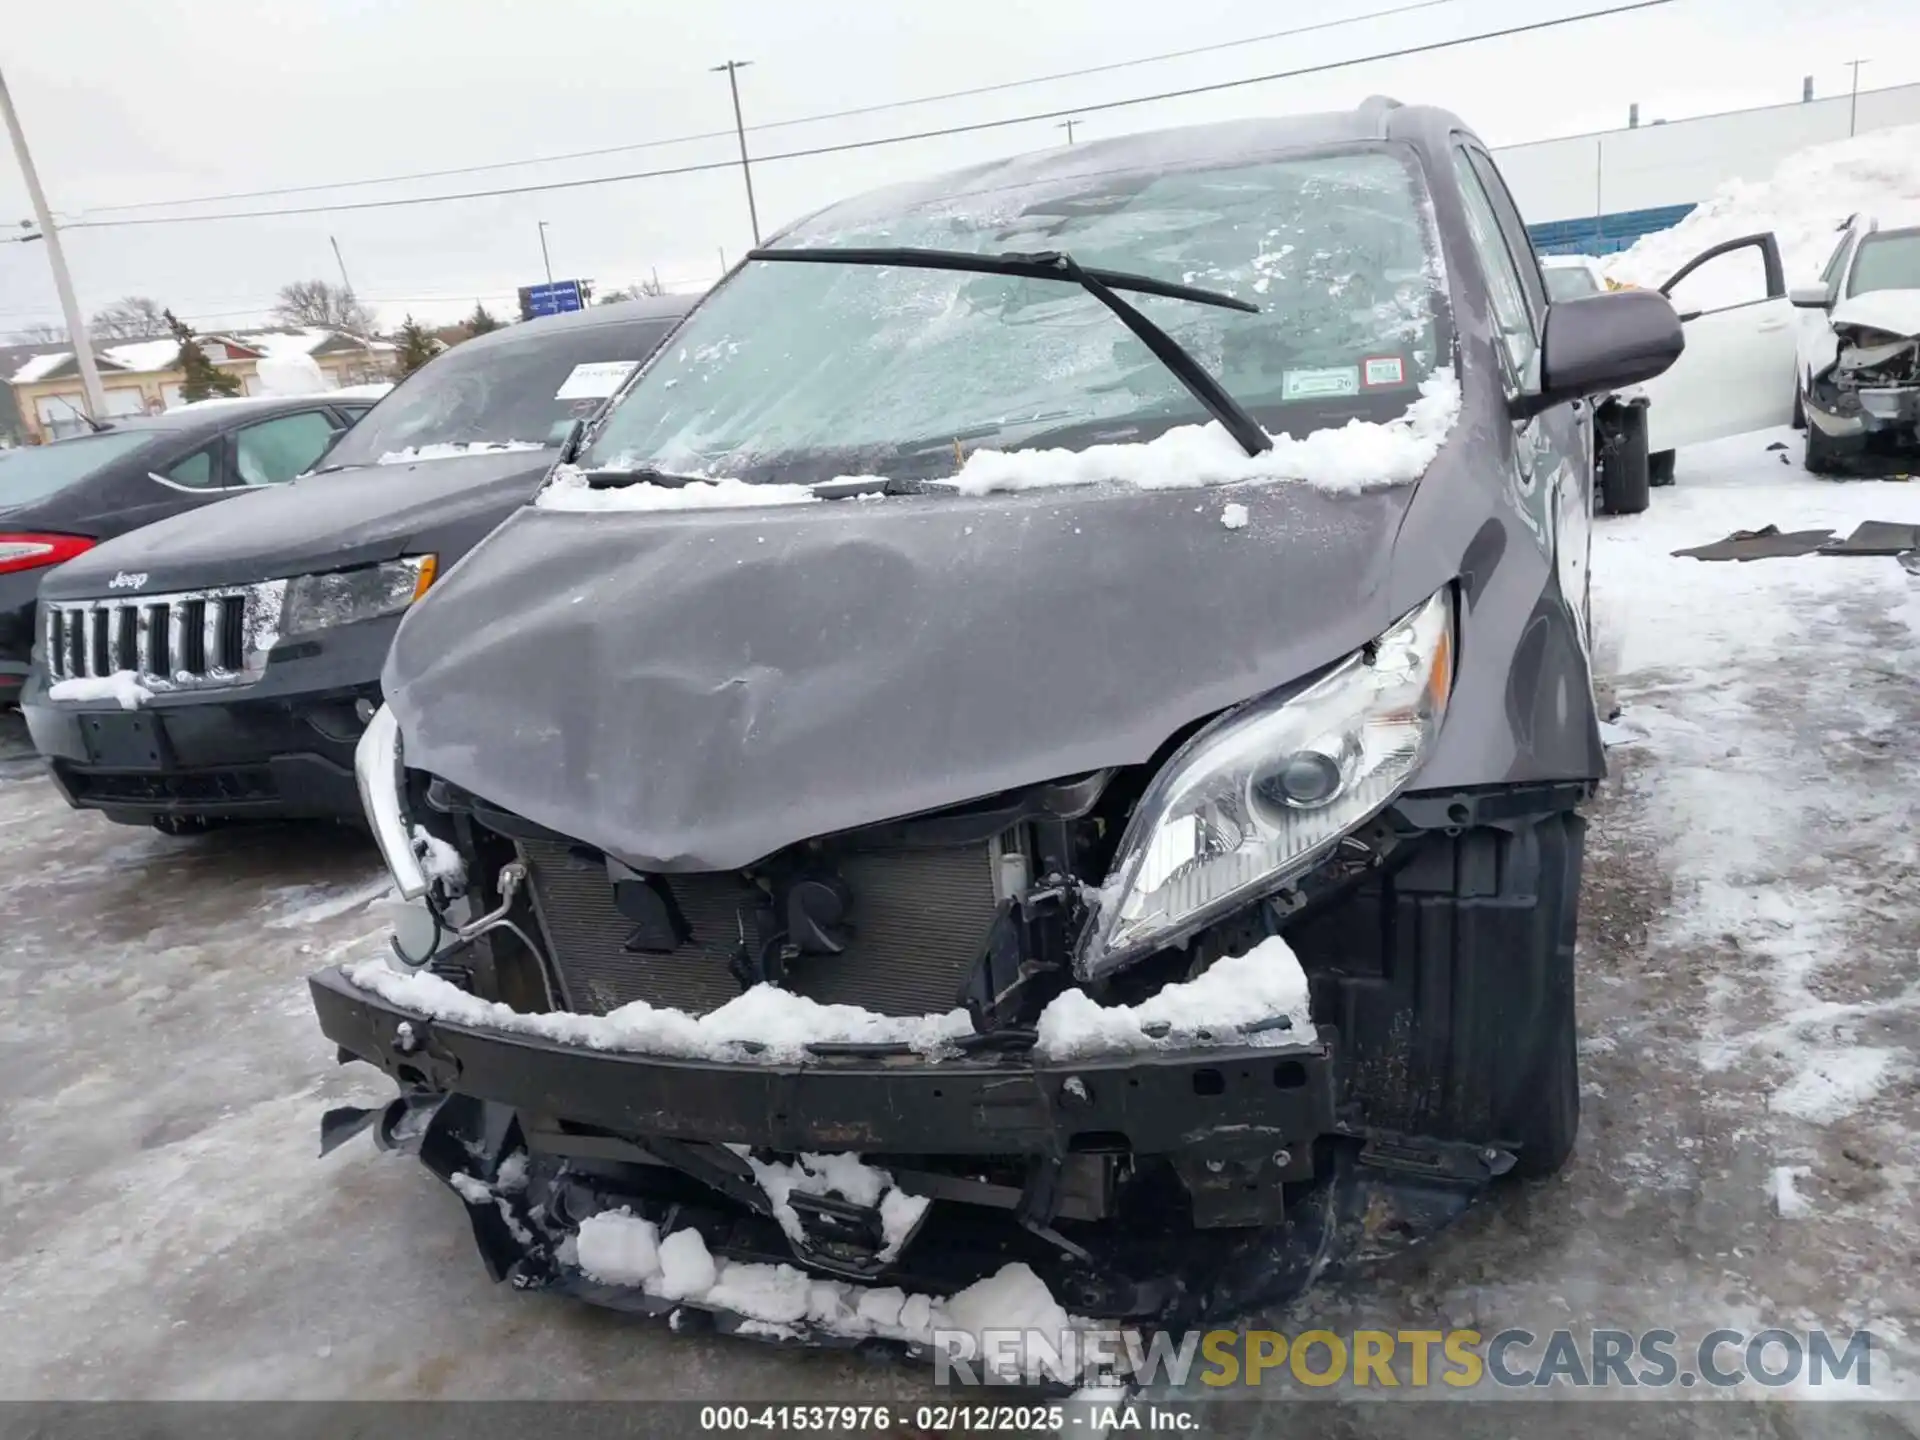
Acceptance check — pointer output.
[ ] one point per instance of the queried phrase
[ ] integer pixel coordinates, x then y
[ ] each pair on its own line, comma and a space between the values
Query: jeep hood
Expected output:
694, 690
1893, 312
317, 522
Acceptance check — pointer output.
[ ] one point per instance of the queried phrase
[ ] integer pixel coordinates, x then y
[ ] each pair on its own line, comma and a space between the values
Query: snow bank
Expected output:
846, 1176
569, 490
1359, 455
290, 374
1235, 992
412, 453
772, 1025
1812, 192
619, 1248
123, 687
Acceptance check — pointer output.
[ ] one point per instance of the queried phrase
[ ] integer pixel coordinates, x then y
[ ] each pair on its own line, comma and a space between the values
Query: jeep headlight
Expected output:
1260, 796
340, 597
380, 768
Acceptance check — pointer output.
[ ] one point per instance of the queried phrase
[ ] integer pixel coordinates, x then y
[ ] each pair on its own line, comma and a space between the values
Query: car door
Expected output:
1737, 372
1553, 449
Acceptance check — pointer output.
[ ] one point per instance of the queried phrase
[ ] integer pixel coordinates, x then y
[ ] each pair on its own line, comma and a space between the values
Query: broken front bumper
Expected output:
1250, 1103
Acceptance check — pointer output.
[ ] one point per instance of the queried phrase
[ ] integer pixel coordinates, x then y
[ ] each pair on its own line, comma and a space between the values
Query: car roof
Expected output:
619, 312
217, 417
1187, 147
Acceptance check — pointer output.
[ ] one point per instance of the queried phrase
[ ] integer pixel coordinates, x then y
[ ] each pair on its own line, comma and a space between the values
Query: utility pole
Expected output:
1067, 125
543, 252
1853, 100
95, 397
733, 69
366, 343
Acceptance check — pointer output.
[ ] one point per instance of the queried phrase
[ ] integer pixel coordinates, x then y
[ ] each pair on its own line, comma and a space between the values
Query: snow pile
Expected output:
617, 1247
291, 374
1811, 193
123, 687
1236, 992
1223, 1005
1353, 457
1787, 1201
411, 453
847, 1177
1234, 517
766, 1023
569, 490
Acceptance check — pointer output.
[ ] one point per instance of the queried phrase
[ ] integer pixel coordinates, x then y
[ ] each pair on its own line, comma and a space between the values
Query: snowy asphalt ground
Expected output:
1751, 1017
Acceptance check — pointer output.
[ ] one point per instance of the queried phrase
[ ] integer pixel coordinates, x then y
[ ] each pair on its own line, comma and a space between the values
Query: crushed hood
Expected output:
317, 522
694, 690
1892, 312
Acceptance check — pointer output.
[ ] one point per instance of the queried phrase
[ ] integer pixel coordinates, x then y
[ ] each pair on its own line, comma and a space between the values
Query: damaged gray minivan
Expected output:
1046, 726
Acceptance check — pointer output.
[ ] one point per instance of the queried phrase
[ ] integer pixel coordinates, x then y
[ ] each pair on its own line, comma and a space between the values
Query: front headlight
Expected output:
340, 597
1260, 796
379, 767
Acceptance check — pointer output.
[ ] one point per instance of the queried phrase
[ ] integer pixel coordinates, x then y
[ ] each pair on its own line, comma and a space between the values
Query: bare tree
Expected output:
329, 307
137, 317
42, 333
635, 291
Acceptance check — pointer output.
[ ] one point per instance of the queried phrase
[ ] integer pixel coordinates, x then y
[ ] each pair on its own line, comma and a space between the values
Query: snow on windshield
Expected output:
803, 372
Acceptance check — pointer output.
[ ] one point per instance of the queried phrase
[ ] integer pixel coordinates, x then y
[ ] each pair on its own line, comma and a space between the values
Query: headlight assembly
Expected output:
340, 597
379, 767
1260, 796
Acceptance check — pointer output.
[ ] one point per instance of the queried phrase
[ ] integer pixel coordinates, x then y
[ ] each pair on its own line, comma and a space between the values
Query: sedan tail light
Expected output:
29, 551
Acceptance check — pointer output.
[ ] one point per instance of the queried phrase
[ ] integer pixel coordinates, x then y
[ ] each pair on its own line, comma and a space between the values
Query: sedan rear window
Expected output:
34, 472
523, 390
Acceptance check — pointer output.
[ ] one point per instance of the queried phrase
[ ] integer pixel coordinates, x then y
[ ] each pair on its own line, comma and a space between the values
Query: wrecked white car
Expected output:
1040, 741
1859, 394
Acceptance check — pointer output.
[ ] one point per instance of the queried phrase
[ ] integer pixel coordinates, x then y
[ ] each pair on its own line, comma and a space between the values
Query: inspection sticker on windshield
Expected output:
1305, 384
595, 380
1385, 370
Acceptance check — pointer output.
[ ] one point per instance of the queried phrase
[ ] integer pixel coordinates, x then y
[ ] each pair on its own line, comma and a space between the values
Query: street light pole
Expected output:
543, 252
95, 397
1853, 100
733, 69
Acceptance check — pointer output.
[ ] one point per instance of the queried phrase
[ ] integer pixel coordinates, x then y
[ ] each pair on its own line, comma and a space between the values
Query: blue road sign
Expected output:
554, 299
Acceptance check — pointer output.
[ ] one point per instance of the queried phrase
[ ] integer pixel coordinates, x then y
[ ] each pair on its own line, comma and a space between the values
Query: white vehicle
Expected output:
1618, 429
1857, 348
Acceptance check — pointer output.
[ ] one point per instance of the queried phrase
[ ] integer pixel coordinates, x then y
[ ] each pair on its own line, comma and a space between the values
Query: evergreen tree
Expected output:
200, 379
417, 347
481, 321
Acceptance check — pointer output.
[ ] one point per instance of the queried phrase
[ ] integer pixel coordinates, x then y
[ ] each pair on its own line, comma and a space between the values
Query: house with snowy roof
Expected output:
143, 377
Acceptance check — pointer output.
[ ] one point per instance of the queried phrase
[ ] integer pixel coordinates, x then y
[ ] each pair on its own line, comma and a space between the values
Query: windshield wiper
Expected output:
1057, 265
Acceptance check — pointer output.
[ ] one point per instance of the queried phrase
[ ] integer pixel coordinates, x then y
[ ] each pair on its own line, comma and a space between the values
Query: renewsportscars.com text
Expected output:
1509, 1359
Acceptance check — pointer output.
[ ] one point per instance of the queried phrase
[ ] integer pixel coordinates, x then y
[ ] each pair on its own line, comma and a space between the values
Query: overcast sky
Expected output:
132, 101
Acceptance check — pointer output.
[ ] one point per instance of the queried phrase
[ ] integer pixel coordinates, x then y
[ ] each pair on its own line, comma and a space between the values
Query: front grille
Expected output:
203, 787
197, 639
920, 920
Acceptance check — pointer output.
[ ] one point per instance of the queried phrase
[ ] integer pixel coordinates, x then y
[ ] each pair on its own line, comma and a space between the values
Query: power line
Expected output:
968, 129
781, 124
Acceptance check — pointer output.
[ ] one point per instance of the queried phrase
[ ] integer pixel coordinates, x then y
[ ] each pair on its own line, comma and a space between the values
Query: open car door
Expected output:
1737, 372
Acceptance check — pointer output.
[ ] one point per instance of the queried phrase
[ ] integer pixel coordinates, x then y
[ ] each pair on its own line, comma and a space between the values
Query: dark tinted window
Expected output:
34, 472
195, 472
277, 450
513, 390
1888, 261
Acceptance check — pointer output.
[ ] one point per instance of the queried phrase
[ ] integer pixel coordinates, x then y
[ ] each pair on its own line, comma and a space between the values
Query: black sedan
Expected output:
60, 500
222, 666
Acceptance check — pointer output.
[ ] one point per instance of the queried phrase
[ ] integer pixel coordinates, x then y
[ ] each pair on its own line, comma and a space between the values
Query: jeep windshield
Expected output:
802, 372
513, 390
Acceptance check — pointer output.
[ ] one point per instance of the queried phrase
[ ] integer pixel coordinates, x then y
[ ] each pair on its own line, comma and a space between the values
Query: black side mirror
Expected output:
1599, 343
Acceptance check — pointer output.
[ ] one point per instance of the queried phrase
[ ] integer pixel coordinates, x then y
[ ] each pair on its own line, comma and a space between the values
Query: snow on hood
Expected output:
1809, 195
411, 453
1895, 311
1356, 456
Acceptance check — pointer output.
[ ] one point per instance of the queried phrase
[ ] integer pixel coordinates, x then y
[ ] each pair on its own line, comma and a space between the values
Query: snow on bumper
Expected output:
1269, 1089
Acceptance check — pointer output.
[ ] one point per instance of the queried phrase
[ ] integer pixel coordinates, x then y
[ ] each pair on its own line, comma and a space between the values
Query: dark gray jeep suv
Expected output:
1038, 743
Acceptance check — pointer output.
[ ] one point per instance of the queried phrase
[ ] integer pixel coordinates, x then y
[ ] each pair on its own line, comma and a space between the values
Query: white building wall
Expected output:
1684, 161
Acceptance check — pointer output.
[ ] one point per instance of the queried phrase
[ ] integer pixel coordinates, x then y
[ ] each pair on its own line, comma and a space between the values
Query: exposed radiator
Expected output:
920, 920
